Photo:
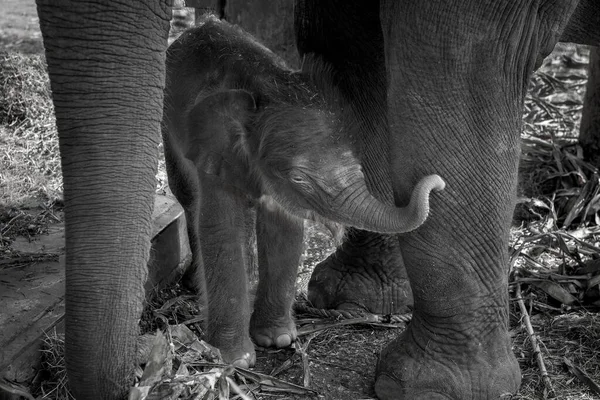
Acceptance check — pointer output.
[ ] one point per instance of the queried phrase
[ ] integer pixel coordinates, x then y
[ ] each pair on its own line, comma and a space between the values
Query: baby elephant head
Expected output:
302, 158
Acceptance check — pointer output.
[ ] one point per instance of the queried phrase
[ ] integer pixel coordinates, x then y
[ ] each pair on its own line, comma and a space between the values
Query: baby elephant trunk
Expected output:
359, 208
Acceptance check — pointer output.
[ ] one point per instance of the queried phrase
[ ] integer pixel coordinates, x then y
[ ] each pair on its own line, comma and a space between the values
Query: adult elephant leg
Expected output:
224, 253
589, 136
366, 271
106, 66
457, 77
279, 240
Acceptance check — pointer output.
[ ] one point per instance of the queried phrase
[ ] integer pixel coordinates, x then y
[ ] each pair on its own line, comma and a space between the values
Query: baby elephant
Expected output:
241, 131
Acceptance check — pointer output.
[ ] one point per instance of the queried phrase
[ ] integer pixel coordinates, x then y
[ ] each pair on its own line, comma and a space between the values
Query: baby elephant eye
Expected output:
301, 181
297, 179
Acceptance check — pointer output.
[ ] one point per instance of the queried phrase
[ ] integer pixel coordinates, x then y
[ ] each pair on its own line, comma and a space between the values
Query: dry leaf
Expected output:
556, 291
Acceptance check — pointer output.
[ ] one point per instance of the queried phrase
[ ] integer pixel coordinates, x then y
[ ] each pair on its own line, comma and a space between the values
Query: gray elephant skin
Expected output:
439, 87
241, 131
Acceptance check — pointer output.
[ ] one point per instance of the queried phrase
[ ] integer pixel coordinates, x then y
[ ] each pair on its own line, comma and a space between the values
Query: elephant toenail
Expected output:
242, 362
284, 340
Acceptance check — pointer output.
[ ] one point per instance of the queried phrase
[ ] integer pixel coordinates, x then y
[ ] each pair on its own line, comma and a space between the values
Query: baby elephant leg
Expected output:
224, 252
279, 241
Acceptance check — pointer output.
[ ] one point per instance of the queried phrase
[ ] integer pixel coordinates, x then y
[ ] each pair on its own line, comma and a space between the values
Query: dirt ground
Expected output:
341, 361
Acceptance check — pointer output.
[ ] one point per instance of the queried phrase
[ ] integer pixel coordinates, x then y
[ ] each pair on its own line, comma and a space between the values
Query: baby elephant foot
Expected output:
274, 333
240, 355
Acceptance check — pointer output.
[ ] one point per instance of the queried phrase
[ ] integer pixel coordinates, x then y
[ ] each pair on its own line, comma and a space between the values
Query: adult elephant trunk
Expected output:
357, 207
106, 66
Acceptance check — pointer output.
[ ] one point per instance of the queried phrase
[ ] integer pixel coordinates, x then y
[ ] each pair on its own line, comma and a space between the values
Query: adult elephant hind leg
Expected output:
279, 240
365, 273
224, 253
589, 134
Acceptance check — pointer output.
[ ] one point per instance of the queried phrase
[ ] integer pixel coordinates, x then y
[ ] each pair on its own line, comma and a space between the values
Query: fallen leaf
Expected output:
556, 291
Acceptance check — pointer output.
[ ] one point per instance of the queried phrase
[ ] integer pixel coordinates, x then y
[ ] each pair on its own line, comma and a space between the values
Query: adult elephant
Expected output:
451, 80
451, 77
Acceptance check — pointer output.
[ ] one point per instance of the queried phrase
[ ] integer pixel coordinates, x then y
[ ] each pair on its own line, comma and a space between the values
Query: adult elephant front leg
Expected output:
106, 66
457, 78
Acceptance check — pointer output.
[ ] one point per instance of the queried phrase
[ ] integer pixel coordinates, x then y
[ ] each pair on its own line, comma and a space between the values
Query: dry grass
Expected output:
30, 173
29, 157
53, 362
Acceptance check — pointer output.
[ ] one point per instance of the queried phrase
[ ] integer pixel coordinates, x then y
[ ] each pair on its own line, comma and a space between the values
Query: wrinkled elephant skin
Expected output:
443, 84
454, 102
103, 57
365, 273
242, 131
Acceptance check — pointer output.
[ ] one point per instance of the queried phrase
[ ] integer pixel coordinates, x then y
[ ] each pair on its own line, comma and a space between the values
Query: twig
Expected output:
314, 327
534, 343
302, 348
301, 307
581, 375
237, 389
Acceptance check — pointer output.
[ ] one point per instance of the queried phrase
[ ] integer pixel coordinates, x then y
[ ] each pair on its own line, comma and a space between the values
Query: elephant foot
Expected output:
408, 371
278, 333
366, 273
238, 353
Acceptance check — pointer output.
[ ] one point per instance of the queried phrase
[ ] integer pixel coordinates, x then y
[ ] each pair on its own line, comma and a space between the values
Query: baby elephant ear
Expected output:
221, 108
234, 102
217, 120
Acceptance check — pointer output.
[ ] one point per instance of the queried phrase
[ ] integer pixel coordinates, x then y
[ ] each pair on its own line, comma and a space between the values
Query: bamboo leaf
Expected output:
556, 291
